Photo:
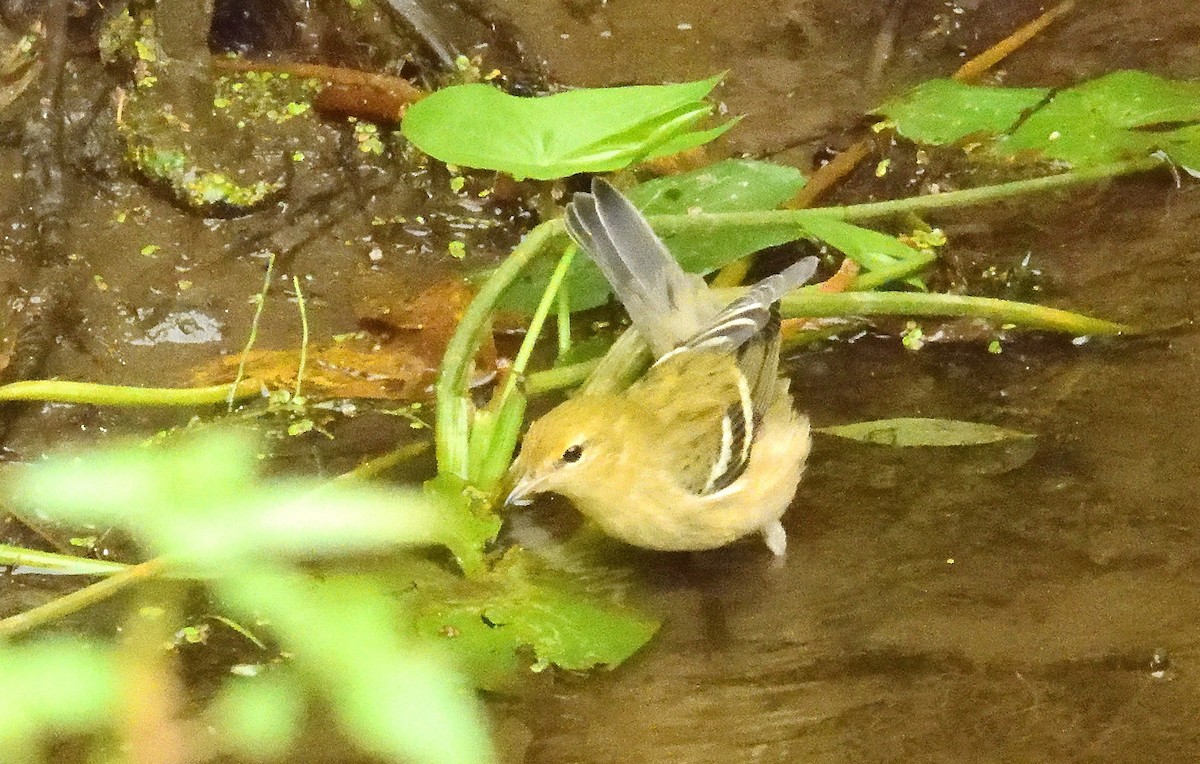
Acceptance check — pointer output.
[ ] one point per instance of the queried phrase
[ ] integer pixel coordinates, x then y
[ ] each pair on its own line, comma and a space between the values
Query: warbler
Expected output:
706, 447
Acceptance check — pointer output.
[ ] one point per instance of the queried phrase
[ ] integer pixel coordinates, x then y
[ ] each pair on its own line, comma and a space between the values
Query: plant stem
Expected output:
535, 326
377, 465
805, 304
63, 391
260, 303
81, 598
453, 409
560, 377
59, 564
303, 336
672, 224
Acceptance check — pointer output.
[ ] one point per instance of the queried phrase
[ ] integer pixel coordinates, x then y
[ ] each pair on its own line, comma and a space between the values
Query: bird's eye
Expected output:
572, 454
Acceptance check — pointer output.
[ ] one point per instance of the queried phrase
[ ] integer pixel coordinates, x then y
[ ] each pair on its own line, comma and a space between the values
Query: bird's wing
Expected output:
749, 328
749, 314
665, 303
708, 439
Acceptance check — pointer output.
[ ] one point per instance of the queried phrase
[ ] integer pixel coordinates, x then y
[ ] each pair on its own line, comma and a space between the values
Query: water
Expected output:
1001, 603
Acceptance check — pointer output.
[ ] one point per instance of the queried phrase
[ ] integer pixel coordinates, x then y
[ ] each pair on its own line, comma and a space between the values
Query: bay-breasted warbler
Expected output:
706, 447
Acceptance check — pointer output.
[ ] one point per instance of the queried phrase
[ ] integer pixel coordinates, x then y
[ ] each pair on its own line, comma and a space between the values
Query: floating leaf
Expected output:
734, 185
906, 432
946, 111
523, 604
1120, 116
586, 130
1124, 115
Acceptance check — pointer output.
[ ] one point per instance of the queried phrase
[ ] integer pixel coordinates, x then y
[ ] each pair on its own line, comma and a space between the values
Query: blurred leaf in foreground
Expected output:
56, 688
200, 505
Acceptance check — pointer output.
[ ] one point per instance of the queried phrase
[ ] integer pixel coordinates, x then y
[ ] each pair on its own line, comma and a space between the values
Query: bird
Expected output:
706, 448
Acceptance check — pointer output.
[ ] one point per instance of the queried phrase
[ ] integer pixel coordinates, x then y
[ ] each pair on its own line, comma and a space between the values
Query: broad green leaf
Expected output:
1124, 115
586, 130
906, 432
565, 627
523, 604
734, 185
946, 111
1120, 116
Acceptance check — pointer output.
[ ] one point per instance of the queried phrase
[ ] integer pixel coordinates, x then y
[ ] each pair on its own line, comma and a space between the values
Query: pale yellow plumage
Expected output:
706, 448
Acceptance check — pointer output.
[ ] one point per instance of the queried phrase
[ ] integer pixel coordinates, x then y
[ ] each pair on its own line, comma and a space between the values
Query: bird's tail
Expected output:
667, 305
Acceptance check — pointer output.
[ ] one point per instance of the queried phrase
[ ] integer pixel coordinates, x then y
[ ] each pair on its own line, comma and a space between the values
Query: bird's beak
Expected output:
523, 490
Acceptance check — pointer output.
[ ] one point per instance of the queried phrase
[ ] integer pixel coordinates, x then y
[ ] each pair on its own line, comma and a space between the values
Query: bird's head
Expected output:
568, 449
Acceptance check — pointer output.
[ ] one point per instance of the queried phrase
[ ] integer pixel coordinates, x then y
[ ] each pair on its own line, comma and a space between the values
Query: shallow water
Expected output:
992, 604
1004, 603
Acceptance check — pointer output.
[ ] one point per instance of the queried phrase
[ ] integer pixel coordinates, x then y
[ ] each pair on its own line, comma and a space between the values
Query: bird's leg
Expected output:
775, 537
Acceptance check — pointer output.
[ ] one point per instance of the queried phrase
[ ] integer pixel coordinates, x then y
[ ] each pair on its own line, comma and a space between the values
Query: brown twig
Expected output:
369, 95
832, 173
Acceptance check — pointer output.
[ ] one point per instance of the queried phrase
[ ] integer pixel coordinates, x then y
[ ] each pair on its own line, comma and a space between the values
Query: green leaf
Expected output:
734, 185
907, 432
199, 503
523, 604
586, 130
1120, 116
347, 640
871, 249
52, 689
946, 111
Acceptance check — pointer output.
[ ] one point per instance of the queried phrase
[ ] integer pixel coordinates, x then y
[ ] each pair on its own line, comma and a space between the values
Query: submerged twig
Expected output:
832, 173
303, 336
259, 305
61, 607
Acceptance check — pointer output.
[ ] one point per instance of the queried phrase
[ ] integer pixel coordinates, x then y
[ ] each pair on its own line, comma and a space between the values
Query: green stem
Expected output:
453, 411
60, 564
521, 362
79, 599
62, 391
897, 272
260, 305
560, 377
672, 224
805, 304
303, 336
564, 322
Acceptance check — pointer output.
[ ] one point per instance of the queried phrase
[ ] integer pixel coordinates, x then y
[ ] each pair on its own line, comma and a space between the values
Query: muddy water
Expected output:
985, 605
993, 604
